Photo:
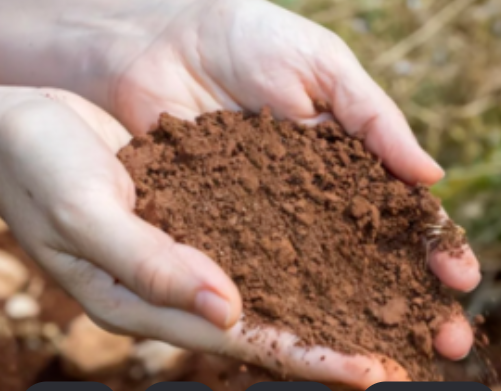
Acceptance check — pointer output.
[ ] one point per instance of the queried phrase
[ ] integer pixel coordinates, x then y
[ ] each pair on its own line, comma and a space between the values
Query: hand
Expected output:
70, 203
244, 54
220, 54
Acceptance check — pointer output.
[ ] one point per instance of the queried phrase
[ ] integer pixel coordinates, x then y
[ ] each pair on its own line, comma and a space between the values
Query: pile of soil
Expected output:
319, 237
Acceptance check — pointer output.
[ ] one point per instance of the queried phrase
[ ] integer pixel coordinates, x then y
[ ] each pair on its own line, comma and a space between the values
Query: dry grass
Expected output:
441, 61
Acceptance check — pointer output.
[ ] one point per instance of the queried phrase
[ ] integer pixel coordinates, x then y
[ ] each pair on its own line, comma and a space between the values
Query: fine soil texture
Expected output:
319, 237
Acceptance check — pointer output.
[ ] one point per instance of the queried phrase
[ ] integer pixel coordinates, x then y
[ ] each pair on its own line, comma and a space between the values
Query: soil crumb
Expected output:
319, 237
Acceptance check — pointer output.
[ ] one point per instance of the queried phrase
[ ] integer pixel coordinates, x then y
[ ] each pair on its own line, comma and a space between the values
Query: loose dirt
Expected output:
319, 237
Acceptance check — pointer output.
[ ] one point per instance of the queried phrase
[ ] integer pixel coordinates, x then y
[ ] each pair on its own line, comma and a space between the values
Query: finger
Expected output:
280, 352
454, 339
457, 272
366, 111
461, 271
151, 264
95, 220
117, 309
303, 62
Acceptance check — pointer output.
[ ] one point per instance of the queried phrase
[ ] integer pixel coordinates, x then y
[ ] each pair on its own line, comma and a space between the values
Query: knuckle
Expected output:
147, 281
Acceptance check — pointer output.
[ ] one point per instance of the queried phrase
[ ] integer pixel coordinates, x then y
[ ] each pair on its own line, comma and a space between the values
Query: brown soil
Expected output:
320, 239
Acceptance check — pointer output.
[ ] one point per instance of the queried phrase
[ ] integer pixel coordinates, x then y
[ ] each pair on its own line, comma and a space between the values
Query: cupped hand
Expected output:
71, 202
245, 54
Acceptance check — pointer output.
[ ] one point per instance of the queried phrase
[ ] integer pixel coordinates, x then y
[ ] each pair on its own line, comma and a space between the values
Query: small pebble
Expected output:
22, 306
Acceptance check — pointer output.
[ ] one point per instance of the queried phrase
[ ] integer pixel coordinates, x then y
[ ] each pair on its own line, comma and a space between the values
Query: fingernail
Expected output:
213, 308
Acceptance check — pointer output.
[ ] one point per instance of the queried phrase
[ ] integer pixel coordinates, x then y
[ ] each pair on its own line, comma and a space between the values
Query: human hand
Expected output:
70, 202
245, 54
241, 54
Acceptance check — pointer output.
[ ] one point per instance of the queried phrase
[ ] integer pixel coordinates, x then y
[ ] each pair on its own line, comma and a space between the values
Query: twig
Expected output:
423, 34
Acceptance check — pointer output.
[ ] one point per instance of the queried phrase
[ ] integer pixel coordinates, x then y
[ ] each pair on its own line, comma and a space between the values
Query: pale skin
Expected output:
70, 202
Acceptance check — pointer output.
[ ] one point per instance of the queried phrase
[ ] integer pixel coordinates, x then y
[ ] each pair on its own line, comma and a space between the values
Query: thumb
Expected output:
153, 265
365, 110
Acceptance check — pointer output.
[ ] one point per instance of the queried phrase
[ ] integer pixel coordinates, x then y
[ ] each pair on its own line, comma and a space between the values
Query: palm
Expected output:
200, 67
